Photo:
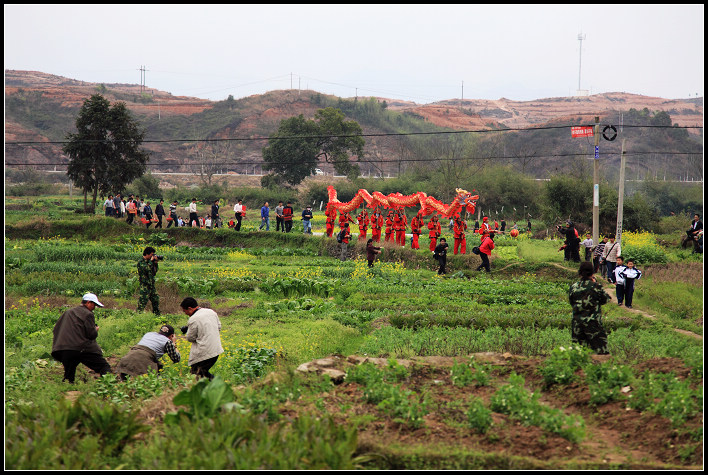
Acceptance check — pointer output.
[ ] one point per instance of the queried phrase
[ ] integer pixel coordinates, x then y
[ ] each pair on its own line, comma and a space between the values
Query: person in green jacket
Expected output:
147, 268
586, 297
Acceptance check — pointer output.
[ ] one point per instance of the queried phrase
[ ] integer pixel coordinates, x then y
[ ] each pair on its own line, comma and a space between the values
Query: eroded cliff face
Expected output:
259, 115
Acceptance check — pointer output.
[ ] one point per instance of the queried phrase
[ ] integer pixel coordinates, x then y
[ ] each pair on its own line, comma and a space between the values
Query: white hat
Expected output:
91, 298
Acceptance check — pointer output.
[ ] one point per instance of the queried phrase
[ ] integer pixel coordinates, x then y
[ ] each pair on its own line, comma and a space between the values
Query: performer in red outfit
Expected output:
344, 218
416, 227
434, 232
458, 232
484, 229
389, 226
331, 214
377, 223
399, 226
363, 221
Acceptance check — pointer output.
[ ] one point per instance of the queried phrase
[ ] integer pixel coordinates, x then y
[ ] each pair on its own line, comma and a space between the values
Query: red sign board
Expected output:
581, 131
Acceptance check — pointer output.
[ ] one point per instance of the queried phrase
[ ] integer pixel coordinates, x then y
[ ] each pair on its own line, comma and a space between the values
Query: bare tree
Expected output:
210, 158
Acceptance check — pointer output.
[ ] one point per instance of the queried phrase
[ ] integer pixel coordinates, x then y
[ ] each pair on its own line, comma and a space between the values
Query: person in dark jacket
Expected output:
74, 340
215, 218
572, 242
440, 254
371, 251
159, 213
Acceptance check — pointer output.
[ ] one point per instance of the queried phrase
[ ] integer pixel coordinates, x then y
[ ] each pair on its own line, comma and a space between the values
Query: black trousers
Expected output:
485, 262
71, 360
202, 368
279, 224
442, 260
238, 222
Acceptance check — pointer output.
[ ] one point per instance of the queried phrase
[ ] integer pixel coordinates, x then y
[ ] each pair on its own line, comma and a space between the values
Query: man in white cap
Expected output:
75, 336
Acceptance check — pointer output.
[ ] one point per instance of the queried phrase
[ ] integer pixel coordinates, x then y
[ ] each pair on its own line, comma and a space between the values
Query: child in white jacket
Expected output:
630, 274
619, 280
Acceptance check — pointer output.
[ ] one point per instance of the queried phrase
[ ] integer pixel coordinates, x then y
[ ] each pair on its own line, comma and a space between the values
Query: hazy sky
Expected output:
422, 53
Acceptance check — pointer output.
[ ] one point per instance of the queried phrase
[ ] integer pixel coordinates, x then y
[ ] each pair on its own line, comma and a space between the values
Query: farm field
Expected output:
332, 365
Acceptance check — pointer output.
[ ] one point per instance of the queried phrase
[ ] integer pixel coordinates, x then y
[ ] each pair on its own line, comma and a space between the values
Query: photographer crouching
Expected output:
147, 269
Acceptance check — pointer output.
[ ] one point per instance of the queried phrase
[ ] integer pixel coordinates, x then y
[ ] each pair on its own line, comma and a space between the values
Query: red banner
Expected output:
581, 132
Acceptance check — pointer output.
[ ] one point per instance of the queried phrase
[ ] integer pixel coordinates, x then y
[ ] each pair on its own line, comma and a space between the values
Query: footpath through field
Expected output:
610, 289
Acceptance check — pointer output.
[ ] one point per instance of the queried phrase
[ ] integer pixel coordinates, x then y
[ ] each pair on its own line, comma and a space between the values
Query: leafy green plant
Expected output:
204, 400
404, 406
513, 399
478, 416
246, 364
561, 364
463, 374
606, 381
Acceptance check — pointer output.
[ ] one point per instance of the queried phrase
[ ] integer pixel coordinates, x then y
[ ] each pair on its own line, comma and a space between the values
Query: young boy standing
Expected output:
630, 274
619, 280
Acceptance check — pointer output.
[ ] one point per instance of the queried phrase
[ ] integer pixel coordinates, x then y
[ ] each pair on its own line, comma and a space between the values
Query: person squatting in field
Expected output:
146, 354
586, 298
74, 339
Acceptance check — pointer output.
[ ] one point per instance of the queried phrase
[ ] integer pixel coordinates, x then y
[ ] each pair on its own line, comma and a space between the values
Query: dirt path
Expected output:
610, 289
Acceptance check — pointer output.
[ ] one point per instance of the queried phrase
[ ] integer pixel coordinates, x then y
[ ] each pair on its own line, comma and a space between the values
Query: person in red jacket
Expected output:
399, 227
363, 221
331, 217
434, 232
377, 223
484, 229
389, 226
458, 232
416, 229
344, 218
485, 251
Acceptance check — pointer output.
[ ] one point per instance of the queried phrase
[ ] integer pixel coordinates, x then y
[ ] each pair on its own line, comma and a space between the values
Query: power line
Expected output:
389, 134
440, 159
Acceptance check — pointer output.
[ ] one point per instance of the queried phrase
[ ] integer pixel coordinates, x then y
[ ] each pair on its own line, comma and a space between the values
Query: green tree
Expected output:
147, 186
104, 153
296, 149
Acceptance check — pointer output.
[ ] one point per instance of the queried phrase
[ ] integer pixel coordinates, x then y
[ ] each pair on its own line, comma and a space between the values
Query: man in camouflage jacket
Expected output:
147, 268
586, 297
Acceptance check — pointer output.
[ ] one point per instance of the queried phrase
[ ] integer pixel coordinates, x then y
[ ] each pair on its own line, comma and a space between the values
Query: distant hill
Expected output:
42, 108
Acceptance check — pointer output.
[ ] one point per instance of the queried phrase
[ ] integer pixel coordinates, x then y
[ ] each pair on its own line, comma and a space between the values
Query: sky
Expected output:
419, 53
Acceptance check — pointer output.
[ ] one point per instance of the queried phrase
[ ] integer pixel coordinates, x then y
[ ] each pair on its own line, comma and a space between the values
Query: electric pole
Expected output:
596, 185
620, 200
581, 37
142, 78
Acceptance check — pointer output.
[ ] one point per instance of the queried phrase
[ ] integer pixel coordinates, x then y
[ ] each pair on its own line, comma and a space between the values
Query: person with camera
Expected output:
202, 330
147, 353
147, 268
74, 339
586, 298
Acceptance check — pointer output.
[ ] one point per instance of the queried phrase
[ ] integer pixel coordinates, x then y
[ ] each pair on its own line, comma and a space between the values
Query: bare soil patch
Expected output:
616, 437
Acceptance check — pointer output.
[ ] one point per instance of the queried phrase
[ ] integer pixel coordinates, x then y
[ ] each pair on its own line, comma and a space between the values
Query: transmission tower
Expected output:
581, 37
